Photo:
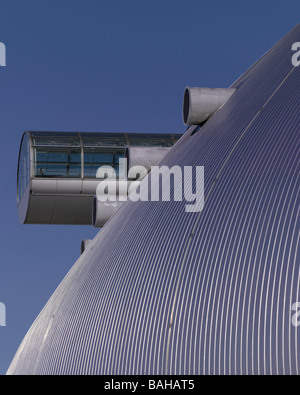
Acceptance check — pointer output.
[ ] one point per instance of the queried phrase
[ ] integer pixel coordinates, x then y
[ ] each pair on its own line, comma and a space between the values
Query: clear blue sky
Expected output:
94, 65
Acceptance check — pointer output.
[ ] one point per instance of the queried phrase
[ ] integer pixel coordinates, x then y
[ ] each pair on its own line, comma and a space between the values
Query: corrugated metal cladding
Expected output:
162, 291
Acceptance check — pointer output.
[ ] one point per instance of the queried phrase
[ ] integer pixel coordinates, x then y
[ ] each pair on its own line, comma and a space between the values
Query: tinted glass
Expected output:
104, 140
57, 163
24, 167
146, 140
97, 157
55, 139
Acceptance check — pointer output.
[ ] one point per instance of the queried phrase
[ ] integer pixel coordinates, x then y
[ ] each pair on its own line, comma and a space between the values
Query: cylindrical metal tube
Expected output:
200, 103
84, 245
102, 211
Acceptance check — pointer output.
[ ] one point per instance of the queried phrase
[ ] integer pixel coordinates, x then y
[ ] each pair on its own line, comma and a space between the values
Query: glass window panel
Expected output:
152, 140
57, 139
57, 156
60, 163
133, 139
24, 167
104, 139
95, 158
103, 134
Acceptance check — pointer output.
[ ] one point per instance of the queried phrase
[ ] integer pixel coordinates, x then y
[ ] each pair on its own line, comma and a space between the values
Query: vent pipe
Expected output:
199, 104
102, 211
84, 245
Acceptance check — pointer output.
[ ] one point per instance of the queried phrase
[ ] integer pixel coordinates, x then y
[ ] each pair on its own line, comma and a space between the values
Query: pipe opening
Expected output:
199, 104
186, 105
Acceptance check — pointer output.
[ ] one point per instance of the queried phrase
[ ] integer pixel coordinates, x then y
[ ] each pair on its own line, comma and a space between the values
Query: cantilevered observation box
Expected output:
57, 171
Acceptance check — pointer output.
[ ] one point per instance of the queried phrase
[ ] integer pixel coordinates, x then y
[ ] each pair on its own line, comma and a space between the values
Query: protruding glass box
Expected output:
57, 170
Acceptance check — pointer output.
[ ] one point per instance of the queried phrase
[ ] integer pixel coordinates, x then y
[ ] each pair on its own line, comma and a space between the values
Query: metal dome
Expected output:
164, 291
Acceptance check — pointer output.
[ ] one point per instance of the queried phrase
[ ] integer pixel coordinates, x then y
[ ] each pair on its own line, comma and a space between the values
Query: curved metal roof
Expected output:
195, 293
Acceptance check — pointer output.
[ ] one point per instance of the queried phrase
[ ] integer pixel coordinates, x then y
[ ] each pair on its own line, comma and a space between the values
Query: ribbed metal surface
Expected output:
160, 290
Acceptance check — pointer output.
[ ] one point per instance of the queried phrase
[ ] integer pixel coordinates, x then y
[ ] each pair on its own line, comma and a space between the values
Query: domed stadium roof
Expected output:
164, 291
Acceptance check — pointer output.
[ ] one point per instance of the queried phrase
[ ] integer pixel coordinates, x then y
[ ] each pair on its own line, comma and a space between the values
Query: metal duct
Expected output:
102, 211
201, 103
84, 245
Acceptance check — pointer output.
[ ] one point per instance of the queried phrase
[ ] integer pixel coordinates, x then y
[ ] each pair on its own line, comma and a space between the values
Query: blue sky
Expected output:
111, 66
